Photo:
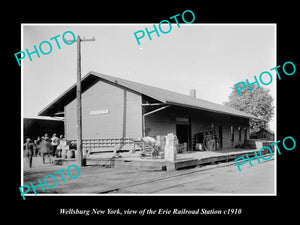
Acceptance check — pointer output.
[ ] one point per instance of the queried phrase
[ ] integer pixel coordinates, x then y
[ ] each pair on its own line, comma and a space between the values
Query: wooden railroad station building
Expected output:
117, 110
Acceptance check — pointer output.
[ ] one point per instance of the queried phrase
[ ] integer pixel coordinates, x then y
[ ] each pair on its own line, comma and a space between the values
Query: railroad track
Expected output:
169, 181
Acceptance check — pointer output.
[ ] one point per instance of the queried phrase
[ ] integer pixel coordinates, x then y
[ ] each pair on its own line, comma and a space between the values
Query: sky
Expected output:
210, 58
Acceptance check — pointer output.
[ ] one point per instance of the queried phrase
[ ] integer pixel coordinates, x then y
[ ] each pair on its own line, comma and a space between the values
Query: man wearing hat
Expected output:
28, 147
45, 149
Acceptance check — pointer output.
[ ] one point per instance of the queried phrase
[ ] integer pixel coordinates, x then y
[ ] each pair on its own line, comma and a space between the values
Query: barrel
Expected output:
71, 154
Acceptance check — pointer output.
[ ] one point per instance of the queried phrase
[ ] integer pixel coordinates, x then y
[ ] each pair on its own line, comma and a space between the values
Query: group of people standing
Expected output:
43, 146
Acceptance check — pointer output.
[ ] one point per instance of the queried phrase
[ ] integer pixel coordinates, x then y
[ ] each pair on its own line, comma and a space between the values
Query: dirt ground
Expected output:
223, 179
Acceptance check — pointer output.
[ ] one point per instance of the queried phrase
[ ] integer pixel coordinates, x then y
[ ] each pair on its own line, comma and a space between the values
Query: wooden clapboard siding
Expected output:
160, 123
124, 119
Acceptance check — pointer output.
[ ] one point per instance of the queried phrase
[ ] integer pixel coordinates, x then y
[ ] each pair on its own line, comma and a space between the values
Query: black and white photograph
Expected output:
166, 113
155, 117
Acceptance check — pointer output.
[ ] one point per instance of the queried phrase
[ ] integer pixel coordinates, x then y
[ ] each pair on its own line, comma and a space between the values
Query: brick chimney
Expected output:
193, 93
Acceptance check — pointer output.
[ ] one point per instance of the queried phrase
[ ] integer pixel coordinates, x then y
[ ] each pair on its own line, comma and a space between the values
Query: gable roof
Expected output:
165, 96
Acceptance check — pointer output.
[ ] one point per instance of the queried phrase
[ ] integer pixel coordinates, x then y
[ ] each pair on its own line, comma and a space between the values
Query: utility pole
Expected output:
78, 98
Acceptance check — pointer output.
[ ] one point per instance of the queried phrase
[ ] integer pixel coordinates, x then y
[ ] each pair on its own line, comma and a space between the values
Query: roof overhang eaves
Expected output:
69, 94
212, 110
44, 112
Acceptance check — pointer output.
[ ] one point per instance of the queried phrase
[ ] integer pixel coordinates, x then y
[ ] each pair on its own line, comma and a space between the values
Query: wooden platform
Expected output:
184, 160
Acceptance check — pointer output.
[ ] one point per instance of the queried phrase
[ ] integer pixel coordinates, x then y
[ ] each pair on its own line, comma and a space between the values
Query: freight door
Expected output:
183, 131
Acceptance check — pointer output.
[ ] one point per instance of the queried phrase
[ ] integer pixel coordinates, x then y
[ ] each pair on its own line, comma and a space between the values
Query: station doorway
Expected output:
183, 132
